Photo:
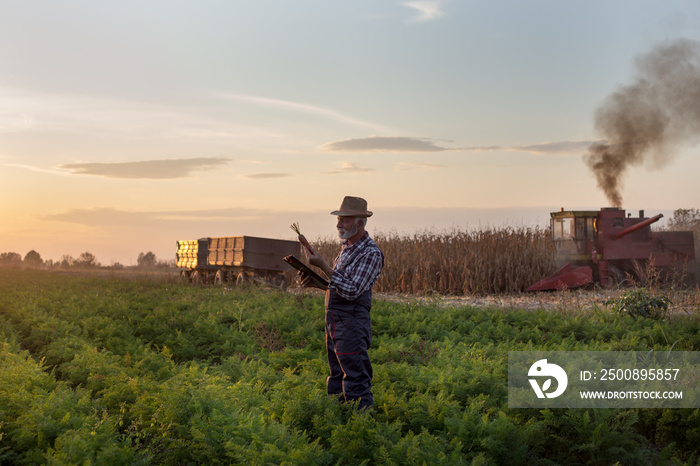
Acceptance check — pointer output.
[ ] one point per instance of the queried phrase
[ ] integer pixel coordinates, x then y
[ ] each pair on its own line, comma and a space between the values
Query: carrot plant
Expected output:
128, 372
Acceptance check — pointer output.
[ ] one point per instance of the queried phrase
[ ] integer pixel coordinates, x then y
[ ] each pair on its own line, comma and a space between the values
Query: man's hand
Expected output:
318, 261
305, 279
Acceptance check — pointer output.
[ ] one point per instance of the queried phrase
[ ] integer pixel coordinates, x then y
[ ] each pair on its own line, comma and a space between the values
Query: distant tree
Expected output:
166, 263
146, 260
33, 259
10, 259
86, 259
66, 261
685, 219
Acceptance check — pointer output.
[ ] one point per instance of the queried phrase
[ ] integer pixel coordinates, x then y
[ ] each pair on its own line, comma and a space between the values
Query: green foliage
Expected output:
105, 371
593, 436
641, 303
44, 421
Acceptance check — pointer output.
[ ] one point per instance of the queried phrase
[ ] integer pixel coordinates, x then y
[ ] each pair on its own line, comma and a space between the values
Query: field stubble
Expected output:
490, 268
460, 262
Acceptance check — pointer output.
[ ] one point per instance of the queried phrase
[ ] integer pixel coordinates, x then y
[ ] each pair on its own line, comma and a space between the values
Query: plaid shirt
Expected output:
357, 268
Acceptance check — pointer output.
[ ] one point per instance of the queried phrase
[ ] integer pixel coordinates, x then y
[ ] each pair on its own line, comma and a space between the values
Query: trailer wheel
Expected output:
280, 281
241, 279
198, 278
185, 276
220, 277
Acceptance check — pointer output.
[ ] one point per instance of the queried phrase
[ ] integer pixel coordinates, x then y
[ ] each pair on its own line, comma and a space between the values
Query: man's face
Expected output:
347, 227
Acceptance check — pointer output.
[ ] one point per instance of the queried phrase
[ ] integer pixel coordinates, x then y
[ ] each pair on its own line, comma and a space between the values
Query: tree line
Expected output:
85, 260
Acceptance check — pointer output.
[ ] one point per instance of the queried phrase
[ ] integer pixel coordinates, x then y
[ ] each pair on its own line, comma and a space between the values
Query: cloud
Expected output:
15, 123
36, 169
147, 169
349, 167
301, 108
258, 176
192, 224
45, 116
385, 144
99, 217
426, 10
545, 148
407, 166
482, 148
562, 148
109, 217
399, 144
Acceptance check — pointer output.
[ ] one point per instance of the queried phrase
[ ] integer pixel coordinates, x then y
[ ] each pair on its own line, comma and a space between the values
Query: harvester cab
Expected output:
574, 235
605, 246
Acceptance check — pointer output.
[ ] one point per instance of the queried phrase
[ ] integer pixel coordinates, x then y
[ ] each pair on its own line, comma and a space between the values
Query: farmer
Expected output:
348, 302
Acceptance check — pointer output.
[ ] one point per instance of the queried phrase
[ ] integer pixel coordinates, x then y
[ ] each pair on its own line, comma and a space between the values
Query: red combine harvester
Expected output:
604, 246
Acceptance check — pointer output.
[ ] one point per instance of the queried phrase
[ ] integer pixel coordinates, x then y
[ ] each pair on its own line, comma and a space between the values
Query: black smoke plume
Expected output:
649, 121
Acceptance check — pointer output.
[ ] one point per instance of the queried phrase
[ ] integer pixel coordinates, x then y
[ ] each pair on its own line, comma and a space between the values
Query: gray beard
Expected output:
345, 234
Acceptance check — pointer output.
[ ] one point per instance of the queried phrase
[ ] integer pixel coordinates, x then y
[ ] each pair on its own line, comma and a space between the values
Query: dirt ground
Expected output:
683, 302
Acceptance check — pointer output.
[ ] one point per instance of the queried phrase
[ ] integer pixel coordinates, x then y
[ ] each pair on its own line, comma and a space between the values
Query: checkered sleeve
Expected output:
359, 275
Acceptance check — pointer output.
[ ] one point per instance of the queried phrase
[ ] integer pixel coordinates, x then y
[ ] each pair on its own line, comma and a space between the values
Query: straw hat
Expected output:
353, 207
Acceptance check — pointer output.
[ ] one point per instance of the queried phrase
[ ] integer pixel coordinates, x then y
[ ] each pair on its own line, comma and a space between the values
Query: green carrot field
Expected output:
116, 371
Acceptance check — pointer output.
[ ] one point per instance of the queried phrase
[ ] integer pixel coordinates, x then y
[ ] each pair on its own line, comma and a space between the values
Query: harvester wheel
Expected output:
617, 277
642, 271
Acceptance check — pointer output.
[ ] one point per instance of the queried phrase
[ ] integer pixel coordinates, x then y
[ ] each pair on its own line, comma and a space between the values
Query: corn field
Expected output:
460, 262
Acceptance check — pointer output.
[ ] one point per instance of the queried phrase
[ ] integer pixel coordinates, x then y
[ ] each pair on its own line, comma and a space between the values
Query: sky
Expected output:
126, 126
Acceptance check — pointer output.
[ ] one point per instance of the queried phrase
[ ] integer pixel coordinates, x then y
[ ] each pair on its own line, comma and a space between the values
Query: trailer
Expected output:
235, 260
